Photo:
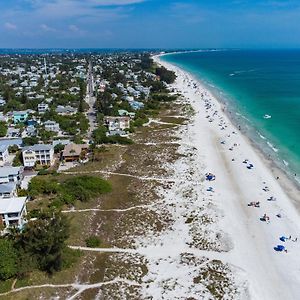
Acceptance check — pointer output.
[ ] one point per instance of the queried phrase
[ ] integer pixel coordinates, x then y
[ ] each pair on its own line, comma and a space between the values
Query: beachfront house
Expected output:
74, 152
11, 142
20, 116
117, 125
8, 190
13, 212
10, 174
3, 154
42, 154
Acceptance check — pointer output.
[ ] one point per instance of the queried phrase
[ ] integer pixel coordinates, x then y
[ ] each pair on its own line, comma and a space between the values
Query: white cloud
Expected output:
74, 28
10, 26
47, 28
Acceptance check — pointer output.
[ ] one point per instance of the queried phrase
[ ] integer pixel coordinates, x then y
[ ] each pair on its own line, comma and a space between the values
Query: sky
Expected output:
149, 24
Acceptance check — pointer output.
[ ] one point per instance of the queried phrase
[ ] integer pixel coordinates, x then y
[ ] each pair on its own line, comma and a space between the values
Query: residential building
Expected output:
42, 154
65, 110
42, 108
10, 174
3, 117
2, 102
123, 112
31, 130
8, 190
13, 132
73, 152
13, 211
62, 142
117, 123
136, 105
20, 116
11, 142
51, 126
3, 154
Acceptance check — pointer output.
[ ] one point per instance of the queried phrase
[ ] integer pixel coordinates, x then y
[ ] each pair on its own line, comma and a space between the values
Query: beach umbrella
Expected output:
279, 248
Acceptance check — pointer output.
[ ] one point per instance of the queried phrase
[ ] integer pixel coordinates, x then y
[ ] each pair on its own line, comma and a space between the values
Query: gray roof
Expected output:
6, 171
3, 148
12, 205
11, 142
21, 112
63, 142
38, 147
7, 187
50, 122
65, 109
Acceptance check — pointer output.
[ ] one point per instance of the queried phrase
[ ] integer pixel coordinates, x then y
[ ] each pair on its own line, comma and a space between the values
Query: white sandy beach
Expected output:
259, 271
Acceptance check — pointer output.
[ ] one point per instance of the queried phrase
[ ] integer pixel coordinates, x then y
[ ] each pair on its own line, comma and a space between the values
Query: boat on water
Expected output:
267, 116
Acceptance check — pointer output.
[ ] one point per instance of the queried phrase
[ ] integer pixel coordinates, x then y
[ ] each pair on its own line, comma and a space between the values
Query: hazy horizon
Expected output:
149, 24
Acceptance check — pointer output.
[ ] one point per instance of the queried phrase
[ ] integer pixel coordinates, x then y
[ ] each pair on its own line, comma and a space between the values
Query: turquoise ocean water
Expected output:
255, 83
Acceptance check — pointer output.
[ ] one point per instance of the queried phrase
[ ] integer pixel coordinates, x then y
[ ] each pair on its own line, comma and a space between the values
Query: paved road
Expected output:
90, 100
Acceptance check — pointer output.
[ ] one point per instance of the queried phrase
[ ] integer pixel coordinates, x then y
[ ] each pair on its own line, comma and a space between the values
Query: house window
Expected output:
13, 222
13, 215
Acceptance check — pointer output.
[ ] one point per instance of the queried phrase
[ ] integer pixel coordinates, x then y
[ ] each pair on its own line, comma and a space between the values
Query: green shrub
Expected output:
39, 186
92, 242
33, 213
8, 259
69, 257
84, 188
43, 172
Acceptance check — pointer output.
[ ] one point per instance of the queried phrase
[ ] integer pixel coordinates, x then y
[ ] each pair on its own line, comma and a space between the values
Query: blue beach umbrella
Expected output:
283, 238
279, 248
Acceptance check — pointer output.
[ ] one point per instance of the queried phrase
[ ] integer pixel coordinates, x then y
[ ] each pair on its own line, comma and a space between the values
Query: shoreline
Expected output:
257, 264
286, 179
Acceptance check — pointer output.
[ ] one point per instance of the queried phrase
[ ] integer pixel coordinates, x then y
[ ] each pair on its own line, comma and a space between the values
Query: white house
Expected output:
13, 211
40, 153
2, 102
3, 154
51, 126
117, 123
8, 190
42, 108
65, 110
10, 174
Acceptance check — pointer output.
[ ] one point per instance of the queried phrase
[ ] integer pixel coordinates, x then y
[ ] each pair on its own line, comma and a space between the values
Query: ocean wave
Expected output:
245, 118
285, 162
241, 72
272, 147
261, 136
